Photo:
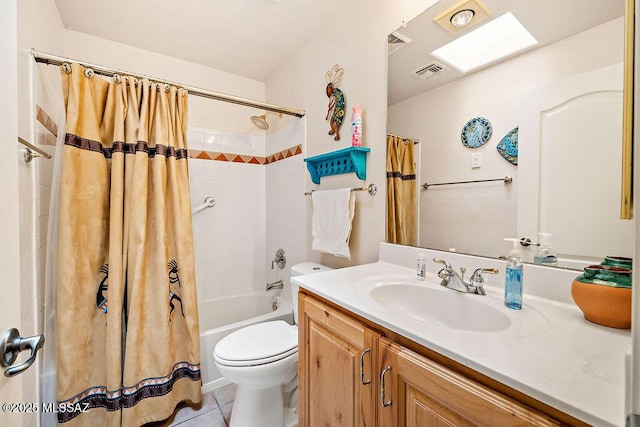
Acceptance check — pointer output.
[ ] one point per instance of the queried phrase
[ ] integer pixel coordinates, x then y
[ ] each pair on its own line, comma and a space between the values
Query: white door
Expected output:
12, 390
570, 152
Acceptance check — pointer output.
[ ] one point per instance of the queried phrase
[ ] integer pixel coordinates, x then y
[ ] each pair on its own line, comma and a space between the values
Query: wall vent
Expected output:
396, 41
430, 70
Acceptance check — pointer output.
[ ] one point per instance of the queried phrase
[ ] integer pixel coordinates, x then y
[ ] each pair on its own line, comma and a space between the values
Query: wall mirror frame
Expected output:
474, 218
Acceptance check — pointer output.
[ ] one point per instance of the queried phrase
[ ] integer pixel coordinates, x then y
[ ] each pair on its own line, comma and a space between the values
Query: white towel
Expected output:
332, 215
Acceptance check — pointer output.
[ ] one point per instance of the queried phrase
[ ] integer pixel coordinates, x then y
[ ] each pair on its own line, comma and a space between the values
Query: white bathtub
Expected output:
219, 317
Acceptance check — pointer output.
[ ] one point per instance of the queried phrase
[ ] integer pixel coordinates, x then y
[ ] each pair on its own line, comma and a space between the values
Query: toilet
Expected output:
262, 360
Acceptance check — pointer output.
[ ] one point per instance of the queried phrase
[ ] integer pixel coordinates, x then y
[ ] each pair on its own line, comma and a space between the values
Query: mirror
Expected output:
565, 97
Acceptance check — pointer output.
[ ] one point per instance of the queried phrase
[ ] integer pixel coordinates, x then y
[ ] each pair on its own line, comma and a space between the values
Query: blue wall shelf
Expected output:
350, 159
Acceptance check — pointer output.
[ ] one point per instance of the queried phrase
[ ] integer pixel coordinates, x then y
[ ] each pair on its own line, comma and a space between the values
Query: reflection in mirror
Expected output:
563, 100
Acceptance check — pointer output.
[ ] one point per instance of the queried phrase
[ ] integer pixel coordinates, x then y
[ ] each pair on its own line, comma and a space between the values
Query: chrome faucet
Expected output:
280, 260
275, 285
452, 280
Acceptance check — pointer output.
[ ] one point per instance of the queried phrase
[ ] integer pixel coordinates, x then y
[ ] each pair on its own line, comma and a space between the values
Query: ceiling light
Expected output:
491, 42
462, 17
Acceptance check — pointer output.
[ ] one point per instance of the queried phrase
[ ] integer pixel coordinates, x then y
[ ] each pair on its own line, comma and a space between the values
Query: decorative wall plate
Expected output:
508, 146
476, 132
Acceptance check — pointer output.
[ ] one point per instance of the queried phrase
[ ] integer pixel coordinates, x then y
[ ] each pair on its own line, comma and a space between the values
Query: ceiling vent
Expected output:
430, 70
396, 41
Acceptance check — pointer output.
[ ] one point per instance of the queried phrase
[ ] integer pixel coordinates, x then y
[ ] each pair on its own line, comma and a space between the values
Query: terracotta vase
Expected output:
604, 305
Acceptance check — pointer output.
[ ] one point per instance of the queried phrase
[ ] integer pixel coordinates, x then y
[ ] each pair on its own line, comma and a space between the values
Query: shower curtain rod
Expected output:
48, 59
415, 141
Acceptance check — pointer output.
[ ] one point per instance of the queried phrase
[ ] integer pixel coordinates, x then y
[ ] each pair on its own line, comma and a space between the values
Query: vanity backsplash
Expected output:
546, 282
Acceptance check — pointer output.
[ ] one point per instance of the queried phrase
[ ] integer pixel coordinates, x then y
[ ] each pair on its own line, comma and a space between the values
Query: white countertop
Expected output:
550, 352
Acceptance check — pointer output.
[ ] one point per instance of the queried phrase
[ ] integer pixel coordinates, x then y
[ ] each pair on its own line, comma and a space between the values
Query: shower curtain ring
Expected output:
167, 88
66, 67
117, 78
89, 73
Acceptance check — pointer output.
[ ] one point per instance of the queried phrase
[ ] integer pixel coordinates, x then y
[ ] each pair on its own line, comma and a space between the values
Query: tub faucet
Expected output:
275, 285
452, 280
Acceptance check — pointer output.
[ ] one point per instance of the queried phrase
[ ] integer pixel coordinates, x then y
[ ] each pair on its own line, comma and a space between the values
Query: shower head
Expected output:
261, 121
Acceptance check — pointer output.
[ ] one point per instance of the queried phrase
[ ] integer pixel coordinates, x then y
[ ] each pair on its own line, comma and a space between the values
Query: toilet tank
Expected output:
299, 270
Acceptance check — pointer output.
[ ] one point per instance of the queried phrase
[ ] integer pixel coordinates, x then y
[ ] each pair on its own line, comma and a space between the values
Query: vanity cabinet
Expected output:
353, 372
336, 357
417, 392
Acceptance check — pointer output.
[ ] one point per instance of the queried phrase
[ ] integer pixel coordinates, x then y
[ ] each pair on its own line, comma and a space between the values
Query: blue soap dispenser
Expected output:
513, 278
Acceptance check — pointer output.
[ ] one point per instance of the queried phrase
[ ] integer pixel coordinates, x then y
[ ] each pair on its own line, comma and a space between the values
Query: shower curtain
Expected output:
127, 320
401, 192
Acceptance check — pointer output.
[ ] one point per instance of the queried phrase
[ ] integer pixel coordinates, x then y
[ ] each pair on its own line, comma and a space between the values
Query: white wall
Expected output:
11, 389
202, 112
356, 40
475, 218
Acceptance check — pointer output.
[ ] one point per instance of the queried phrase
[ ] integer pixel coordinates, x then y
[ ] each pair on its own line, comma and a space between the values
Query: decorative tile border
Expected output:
241, 158
46, 121
52, 127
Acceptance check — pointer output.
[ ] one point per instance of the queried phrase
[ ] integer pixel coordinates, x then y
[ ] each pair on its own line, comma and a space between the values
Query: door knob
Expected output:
12, 344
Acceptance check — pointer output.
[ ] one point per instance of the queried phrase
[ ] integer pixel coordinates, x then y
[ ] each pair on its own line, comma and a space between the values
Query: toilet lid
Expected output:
256, 344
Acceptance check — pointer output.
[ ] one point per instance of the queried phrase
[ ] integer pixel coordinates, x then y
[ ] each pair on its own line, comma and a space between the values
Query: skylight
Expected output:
495, 40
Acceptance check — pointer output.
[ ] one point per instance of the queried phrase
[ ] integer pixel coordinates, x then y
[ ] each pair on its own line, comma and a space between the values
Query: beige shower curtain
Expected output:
401, 192
127, 320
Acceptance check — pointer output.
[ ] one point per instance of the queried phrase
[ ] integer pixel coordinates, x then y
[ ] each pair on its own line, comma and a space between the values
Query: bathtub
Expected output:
221, 316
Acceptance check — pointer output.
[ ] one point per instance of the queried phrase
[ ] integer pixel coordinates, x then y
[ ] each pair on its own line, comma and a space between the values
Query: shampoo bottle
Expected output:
545, 255
513, 278
356, 125
421, 270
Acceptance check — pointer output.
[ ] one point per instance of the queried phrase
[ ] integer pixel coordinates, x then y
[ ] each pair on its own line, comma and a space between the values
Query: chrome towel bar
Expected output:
506, 179
371, 188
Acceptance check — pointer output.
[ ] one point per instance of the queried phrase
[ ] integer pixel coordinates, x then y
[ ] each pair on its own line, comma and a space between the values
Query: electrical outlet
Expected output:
476, 160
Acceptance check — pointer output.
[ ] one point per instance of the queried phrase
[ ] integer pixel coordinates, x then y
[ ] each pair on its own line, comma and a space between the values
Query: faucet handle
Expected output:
441, 261
477, 274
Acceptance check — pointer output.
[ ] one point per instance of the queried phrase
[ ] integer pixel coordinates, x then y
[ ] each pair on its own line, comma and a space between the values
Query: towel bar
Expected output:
371, 188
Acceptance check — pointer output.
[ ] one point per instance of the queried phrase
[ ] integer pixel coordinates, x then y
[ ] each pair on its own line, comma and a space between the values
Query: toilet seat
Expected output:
257, 344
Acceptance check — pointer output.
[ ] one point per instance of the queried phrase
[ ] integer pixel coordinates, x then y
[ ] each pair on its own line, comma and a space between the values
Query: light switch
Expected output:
476, 160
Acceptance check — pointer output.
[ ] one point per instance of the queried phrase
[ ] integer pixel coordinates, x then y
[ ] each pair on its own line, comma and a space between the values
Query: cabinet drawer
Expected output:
339, 324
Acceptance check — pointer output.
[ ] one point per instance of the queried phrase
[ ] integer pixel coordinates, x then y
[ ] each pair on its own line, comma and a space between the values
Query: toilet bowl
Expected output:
262, 360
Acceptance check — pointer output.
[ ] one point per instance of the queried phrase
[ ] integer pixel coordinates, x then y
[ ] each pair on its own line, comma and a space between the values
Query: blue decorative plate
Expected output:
508, 146
476, 132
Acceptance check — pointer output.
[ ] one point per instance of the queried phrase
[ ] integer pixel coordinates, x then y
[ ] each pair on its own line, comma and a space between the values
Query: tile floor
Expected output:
213, 411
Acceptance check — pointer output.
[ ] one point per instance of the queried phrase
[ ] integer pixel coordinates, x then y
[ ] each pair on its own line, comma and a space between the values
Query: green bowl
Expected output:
606, 275
618, 261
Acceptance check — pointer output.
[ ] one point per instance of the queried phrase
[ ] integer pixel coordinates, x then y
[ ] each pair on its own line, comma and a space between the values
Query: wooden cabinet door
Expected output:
418, 392
336, 357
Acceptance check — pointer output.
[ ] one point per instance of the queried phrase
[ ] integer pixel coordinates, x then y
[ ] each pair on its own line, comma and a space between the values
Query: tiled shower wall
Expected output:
258, 185
286, 203
229, 238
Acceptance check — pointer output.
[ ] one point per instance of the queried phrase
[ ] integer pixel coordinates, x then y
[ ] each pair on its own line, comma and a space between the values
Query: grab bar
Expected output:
209, 202
29, 153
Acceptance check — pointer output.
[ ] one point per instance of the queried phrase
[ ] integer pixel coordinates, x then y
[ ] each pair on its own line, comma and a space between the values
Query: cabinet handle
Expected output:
362, 367
387, 403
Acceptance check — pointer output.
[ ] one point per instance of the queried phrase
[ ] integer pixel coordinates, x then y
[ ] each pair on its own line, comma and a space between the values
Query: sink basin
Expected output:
443, 307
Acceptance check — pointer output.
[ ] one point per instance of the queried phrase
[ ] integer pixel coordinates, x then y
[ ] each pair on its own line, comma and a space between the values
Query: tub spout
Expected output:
275, 285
